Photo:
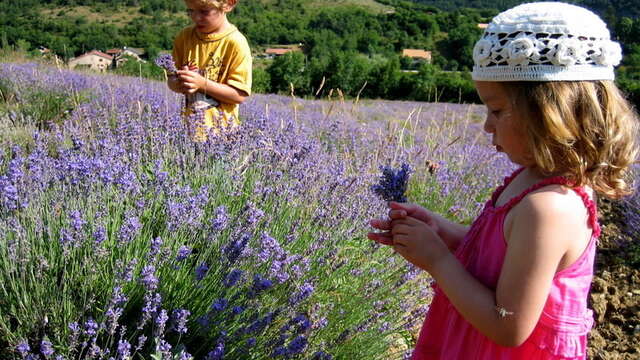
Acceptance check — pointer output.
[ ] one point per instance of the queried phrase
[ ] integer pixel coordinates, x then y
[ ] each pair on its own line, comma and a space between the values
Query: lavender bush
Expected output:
122, 238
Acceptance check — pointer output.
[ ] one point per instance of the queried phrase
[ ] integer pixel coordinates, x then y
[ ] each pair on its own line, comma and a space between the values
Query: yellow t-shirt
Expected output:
224, 58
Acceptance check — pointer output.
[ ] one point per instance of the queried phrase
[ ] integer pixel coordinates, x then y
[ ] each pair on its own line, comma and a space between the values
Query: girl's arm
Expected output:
543, 227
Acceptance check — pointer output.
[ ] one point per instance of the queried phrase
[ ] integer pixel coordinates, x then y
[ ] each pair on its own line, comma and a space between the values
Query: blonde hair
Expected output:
584, 130
218, 4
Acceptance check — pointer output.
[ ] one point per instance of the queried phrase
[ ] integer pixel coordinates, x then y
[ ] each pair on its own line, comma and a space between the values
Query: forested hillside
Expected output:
606, 8
347, 44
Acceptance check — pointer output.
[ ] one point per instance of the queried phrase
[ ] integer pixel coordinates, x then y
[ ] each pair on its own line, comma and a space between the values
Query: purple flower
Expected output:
76, 220
232, 278
90, 327
129, 229
183, 253
269, 248
184, 356
166, 62
221, 219
303, 292
259, 284
279, 351
141, 341
251, 342
155, 247
220, 304
180, 320
124, 349
393, 183
253, 214
201, 271
235, 248
321, 323
23, 348
148, 278
302, 322
321, 355
161, 321
237, 310
297, 345
217, 353
163, 347
100, 235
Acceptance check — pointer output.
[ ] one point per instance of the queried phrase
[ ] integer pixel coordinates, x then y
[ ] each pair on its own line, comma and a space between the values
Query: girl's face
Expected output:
207, 19
503, 122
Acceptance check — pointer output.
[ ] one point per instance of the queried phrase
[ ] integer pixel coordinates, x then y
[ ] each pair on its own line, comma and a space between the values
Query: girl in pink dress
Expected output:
514, 284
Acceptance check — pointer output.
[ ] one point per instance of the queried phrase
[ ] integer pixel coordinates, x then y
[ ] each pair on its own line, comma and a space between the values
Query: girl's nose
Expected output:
488, 124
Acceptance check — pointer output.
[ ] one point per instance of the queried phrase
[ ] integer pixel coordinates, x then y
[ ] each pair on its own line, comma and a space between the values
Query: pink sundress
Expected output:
561, 332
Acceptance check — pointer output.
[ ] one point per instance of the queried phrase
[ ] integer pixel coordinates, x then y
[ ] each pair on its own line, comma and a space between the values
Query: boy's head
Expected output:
209, 16
222, 5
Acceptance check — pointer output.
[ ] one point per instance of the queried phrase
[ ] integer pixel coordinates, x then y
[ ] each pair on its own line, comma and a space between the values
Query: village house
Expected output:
273, 52
120, 55
417, 55
94, 60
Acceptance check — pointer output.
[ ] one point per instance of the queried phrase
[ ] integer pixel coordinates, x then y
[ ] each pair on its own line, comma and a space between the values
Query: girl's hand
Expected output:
191, 80
418, 242
400, 211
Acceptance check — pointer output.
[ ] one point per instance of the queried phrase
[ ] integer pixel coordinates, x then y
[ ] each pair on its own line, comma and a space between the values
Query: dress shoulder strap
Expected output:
587, 201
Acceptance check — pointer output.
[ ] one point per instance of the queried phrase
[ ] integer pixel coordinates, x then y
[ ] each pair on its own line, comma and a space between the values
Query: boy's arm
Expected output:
193, 82
224, 93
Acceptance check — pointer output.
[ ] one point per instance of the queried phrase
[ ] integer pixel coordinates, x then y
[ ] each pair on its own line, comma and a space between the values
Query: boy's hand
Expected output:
191, 80
417, 242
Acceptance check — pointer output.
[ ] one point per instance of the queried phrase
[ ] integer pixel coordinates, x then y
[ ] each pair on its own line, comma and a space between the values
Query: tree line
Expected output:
351, 48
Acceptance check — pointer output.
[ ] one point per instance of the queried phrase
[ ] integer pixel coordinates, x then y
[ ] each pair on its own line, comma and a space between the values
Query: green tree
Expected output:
289, 70
261, 81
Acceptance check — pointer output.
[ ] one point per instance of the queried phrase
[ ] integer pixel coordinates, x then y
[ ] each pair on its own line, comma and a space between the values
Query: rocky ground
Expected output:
615, 294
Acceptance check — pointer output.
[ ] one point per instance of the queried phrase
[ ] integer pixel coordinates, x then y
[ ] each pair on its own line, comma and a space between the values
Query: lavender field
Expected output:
121, 238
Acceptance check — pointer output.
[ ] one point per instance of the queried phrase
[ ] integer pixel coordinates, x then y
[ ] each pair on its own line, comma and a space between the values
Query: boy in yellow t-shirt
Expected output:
214, 65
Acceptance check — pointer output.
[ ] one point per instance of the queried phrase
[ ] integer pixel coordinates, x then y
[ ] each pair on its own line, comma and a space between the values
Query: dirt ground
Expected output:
615, 293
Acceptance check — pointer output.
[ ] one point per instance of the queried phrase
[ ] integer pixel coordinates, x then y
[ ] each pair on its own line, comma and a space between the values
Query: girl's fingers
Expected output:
401, 240
402, 206
380, 224
397, 214
400, 229
382, 238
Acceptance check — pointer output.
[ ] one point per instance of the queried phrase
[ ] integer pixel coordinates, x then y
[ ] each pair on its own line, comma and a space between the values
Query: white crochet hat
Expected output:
545, 41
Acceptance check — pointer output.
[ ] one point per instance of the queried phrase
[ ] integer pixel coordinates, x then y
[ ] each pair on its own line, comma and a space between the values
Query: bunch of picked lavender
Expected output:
393, 183
166, 62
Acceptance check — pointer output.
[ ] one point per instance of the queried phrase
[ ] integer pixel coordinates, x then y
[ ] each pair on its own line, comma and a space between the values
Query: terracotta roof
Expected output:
114, 51
417, 53
483, 26
278, 51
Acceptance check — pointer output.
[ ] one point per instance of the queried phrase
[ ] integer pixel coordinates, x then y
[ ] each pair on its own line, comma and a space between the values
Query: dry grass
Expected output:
118, 17
370, 5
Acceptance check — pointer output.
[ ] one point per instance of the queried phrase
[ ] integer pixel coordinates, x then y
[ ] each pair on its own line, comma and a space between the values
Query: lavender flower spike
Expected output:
166, 62
393, 183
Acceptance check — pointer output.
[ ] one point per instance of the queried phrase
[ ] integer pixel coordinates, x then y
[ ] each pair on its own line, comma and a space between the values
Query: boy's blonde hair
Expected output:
585, 130
218, 4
